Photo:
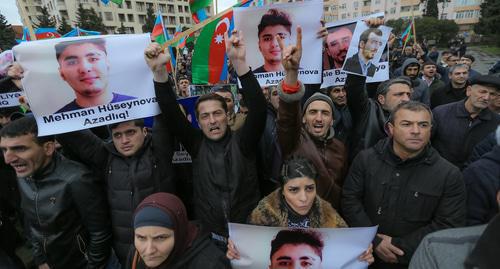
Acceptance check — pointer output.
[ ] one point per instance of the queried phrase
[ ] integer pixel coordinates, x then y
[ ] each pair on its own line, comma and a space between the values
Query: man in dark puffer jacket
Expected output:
135, 165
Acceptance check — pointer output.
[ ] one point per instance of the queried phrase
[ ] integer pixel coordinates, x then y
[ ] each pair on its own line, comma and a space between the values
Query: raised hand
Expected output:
374, 22
156, 58
291, 55
236, 51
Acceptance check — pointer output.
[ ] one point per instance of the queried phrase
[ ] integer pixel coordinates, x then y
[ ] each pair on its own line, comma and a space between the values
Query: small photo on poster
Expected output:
366, 48
261, 25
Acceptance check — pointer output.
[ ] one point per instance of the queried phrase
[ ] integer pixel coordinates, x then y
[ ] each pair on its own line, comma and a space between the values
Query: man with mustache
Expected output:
337, 45
84, 65
459, 126
369, 43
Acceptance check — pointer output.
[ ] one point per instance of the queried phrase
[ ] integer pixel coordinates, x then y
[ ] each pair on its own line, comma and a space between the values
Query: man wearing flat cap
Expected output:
459, 126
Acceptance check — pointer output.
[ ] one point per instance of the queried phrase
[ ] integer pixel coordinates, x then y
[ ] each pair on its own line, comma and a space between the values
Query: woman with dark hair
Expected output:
164, 238
296, 205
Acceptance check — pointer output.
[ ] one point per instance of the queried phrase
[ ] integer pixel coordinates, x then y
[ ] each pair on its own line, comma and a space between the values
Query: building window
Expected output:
181, 20
344, 16
162, 7
325, 8
416, 7
139, 6
121, 17
171, 9
355, 4
142, 19
405, 8
128, 4
179, 8
171, 20
130, 17
393, 10
188, 20
355, 14
343, 6
108, 16
186, 9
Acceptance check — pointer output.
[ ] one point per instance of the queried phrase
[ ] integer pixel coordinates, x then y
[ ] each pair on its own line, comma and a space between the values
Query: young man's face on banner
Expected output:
85, 68
292, 256
268, 44
338, 44
370, 48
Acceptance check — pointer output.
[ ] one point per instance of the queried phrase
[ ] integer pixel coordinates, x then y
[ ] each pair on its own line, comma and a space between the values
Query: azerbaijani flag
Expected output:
46, 33
80, 32
407, 33
26, 36
182, 42
161, 36
197, 8
209, 64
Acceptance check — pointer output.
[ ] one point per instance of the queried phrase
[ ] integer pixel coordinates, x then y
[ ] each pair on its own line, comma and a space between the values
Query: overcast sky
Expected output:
8, 8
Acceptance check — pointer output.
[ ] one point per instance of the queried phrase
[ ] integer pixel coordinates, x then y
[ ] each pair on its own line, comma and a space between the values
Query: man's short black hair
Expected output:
429, 62
98, 42
412, 106
470, 57
364, 36
298, 237
221, 88
210, 97
275, 17
25, 126
137, 122
383, 88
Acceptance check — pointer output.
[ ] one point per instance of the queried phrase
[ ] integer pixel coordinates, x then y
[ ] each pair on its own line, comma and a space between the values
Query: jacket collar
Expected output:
49, 168
385, 150
484, 115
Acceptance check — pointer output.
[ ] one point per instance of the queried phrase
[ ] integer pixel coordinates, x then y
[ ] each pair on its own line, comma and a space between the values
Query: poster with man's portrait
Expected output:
335, 50
83, 82
262, 247
261, 25
366, 48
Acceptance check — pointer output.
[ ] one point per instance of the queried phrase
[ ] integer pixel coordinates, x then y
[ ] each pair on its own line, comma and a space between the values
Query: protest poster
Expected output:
336, 47
82, 82
10, 99
6, 59
366, 49
260, 25
341, 246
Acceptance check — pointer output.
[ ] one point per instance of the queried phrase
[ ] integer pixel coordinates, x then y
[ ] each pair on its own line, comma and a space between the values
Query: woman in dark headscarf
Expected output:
164, 238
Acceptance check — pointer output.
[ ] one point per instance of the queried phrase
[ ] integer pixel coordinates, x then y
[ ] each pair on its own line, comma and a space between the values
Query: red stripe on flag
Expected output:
218, 48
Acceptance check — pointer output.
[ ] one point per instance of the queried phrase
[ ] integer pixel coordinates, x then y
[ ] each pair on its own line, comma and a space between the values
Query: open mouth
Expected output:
19, 167
214, 129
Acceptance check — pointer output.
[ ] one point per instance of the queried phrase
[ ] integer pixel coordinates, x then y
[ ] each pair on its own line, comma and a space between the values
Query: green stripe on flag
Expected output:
199, 64
199, 4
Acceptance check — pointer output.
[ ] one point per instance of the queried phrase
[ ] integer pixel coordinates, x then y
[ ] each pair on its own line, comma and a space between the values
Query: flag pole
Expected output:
413, 27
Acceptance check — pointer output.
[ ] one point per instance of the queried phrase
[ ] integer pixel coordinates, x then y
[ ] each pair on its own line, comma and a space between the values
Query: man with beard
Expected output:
369, 43
411, 69
342, 123
459, 126
337, 45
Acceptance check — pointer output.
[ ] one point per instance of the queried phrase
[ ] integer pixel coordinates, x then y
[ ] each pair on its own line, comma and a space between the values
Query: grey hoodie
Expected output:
420, 88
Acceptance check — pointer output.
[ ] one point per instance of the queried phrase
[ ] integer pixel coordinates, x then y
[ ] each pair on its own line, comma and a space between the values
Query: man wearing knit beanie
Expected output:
314, 138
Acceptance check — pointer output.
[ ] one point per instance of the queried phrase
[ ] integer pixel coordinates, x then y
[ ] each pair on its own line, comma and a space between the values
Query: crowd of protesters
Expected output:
418, 155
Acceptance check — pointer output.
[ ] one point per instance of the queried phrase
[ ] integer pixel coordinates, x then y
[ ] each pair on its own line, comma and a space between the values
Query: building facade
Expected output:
132, 13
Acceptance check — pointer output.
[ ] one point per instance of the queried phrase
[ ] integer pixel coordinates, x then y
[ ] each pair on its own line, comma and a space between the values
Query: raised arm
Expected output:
172, 116
251, 131
89, 148
90, 201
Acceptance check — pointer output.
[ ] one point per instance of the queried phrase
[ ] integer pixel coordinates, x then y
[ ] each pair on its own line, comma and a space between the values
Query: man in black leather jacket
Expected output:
64, 206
